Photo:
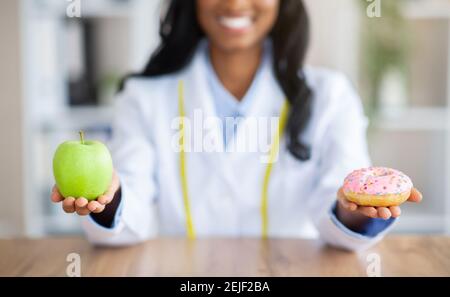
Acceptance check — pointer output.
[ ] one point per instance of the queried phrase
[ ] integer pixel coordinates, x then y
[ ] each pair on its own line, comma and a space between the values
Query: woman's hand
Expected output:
376, 212
354, 216
81, 205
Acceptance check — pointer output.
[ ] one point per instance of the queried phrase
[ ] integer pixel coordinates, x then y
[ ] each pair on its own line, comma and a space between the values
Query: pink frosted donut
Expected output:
377, 186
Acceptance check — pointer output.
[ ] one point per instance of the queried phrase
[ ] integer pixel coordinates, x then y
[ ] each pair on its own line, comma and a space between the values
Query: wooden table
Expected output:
399, 256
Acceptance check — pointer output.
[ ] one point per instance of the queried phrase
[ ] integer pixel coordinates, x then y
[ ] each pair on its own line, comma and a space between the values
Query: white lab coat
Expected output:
225, 188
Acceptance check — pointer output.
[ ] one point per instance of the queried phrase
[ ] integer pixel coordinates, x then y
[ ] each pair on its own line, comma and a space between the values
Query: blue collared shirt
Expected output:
226, 105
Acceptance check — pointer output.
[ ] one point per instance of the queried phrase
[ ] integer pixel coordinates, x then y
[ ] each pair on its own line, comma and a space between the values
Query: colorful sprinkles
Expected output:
377, 181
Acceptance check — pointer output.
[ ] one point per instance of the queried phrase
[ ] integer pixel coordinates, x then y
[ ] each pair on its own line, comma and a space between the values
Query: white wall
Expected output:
335, 35
11, 193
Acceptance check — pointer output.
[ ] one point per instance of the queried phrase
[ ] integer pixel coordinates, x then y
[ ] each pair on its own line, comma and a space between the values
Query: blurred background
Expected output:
59, 72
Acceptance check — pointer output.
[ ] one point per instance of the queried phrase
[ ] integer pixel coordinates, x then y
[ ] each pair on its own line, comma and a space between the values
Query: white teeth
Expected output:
236, 22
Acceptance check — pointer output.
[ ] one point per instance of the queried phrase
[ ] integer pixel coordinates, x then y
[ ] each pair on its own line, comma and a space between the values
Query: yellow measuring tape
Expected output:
184, 184
265, 187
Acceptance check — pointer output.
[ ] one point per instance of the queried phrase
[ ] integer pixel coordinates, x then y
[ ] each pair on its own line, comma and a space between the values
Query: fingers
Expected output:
380, 212
105, 198
415, 196
71, 205
56, 196
376, 212
384, 213
368, 211
109, 194
348, 205
81, 203
95, 207
395, 211
365, 210
68, 205
81, 206
85, 207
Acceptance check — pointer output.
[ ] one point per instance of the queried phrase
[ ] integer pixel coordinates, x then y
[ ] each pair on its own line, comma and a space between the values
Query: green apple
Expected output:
82, 168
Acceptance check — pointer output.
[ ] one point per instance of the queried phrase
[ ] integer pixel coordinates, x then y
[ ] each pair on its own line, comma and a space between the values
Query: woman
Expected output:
240, 62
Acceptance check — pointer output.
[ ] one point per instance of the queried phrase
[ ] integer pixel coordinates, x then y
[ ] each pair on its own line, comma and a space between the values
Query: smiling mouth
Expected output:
236, 23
